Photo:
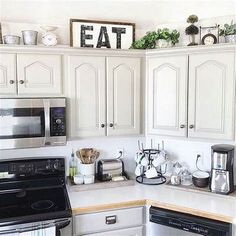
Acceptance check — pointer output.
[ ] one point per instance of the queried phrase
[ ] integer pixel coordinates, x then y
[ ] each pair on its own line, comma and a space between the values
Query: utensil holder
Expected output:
87, 169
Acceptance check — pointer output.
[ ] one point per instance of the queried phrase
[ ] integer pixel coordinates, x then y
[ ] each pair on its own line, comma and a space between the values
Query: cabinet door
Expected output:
167, 95
87, 94
7, 74
211, 95
39, 74
123, 96
136, 231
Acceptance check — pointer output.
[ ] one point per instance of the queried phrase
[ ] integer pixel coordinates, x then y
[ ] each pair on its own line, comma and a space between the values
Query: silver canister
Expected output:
30, 37
230, 38
11, 39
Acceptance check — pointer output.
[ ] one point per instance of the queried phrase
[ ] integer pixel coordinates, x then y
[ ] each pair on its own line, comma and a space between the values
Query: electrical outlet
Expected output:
119, 152
200, 156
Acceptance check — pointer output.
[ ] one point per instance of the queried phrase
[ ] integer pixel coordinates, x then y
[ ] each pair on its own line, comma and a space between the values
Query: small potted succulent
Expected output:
157, 39
229, 32
192, 30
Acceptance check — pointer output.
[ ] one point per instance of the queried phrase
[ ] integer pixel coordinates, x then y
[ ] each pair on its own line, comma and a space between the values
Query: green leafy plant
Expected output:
149, 40
228, 29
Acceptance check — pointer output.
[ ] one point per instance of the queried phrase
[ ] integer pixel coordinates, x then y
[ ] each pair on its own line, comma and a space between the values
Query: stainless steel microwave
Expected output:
32, 122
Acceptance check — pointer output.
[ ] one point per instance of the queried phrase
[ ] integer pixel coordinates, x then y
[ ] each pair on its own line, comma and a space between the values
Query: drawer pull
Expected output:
110, 220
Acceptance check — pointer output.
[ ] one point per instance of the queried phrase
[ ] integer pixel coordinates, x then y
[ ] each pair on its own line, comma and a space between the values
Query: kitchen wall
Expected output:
108, 147
17, 15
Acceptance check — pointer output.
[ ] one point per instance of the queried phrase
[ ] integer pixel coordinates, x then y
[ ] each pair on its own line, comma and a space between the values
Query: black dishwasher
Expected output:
192, 224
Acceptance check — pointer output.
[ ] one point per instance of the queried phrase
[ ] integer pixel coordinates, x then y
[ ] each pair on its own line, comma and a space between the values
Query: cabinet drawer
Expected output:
109, 220
135, 231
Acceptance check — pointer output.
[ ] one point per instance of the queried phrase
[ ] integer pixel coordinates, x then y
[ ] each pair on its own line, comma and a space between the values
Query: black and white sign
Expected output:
101, 34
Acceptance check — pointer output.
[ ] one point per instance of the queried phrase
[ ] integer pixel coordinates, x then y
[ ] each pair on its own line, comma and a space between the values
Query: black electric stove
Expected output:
33, 190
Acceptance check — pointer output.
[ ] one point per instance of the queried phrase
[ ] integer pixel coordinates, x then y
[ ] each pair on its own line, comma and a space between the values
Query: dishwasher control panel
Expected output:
189, 223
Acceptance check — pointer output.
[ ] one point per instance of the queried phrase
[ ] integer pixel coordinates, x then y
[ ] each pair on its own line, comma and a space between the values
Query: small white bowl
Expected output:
89, 179
78, 179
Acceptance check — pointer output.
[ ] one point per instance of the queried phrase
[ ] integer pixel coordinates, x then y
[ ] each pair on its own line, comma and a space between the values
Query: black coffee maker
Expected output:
222, 169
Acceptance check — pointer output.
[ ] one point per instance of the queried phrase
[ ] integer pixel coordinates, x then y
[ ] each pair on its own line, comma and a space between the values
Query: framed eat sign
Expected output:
101, 34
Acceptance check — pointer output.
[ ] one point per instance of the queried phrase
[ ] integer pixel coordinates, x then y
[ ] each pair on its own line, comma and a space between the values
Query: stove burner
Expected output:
42, 205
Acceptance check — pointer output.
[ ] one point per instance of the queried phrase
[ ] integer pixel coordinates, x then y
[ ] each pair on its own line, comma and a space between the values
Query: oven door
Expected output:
58, 227
22, 123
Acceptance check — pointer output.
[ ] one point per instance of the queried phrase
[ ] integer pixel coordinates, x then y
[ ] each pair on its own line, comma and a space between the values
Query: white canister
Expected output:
87, 169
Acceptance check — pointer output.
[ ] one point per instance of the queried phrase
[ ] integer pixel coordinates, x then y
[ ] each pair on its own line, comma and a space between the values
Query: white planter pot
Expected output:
162, 43
87, 169
230, 38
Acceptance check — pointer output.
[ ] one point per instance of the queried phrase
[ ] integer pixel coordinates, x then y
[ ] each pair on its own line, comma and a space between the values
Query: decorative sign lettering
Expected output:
101, 34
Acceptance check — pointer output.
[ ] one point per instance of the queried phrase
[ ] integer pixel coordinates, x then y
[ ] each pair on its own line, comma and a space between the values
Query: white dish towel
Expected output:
40, 232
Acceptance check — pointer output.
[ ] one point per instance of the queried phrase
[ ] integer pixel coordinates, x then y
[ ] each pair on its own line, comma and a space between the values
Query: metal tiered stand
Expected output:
150, 154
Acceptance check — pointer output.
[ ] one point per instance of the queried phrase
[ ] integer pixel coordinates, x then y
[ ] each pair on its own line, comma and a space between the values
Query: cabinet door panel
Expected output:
211, 95
167, 95
7, 74
123, 96
87, 95
39, 74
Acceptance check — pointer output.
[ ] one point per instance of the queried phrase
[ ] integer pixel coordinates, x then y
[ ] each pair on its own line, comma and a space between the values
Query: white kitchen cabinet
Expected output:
212, 95
104, 94
39, 74
167, 95
135, 231
8, 81
106, 222
87, 93
123, 96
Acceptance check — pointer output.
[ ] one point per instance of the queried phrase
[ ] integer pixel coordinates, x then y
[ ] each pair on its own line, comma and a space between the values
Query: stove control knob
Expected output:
58, 121
56, 165
48, 165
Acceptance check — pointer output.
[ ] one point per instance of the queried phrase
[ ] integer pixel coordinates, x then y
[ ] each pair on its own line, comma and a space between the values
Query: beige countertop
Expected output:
198, 203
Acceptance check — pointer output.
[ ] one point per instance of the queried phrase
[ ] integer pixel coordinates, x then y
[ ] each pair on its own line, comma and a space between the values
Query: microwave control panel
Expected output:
58, 121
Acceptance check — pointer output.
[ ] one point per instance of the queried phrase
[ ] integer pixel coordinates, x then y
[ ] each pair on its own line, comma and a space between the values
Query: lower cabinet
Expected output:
135, 231
125, 222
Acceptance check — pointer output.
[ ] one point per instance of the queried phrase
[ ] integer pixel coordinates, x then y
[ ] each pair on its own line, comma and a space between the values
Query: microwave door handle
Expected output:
46, 103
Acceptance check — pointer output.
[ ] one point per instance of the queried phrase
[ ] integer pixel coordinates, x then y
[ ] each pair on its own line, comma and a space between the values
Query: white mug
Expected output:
89, 179
144, 161
138, 157
158, 160
138, 170
151, 172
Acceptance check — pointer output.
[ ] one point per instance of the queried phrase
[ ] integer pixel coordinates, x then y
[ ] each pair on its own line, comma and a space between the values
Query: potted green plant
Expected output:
159, 38
229, 32
192, 30
166, 38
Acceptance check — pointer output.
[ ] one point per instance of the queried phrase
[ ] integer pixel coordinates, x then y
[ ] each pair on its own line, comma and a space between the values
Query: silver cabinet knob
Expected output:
21, 81
11, 81
103, 125
191, 126
182, 126
111, 125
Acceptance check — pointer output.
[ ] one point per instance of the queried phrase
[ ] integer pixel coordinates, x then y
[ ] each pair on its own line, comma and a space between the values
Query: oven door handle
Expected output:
62, 224
46, 104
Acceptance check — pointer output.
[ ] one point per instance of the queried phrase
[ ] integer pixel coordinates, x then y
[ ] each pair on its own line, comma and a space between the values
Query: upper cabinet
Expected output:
39, 74
104, 95
123, 96
87, 94
167, 93
30, 74
211, 95
195, 101
8, 74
